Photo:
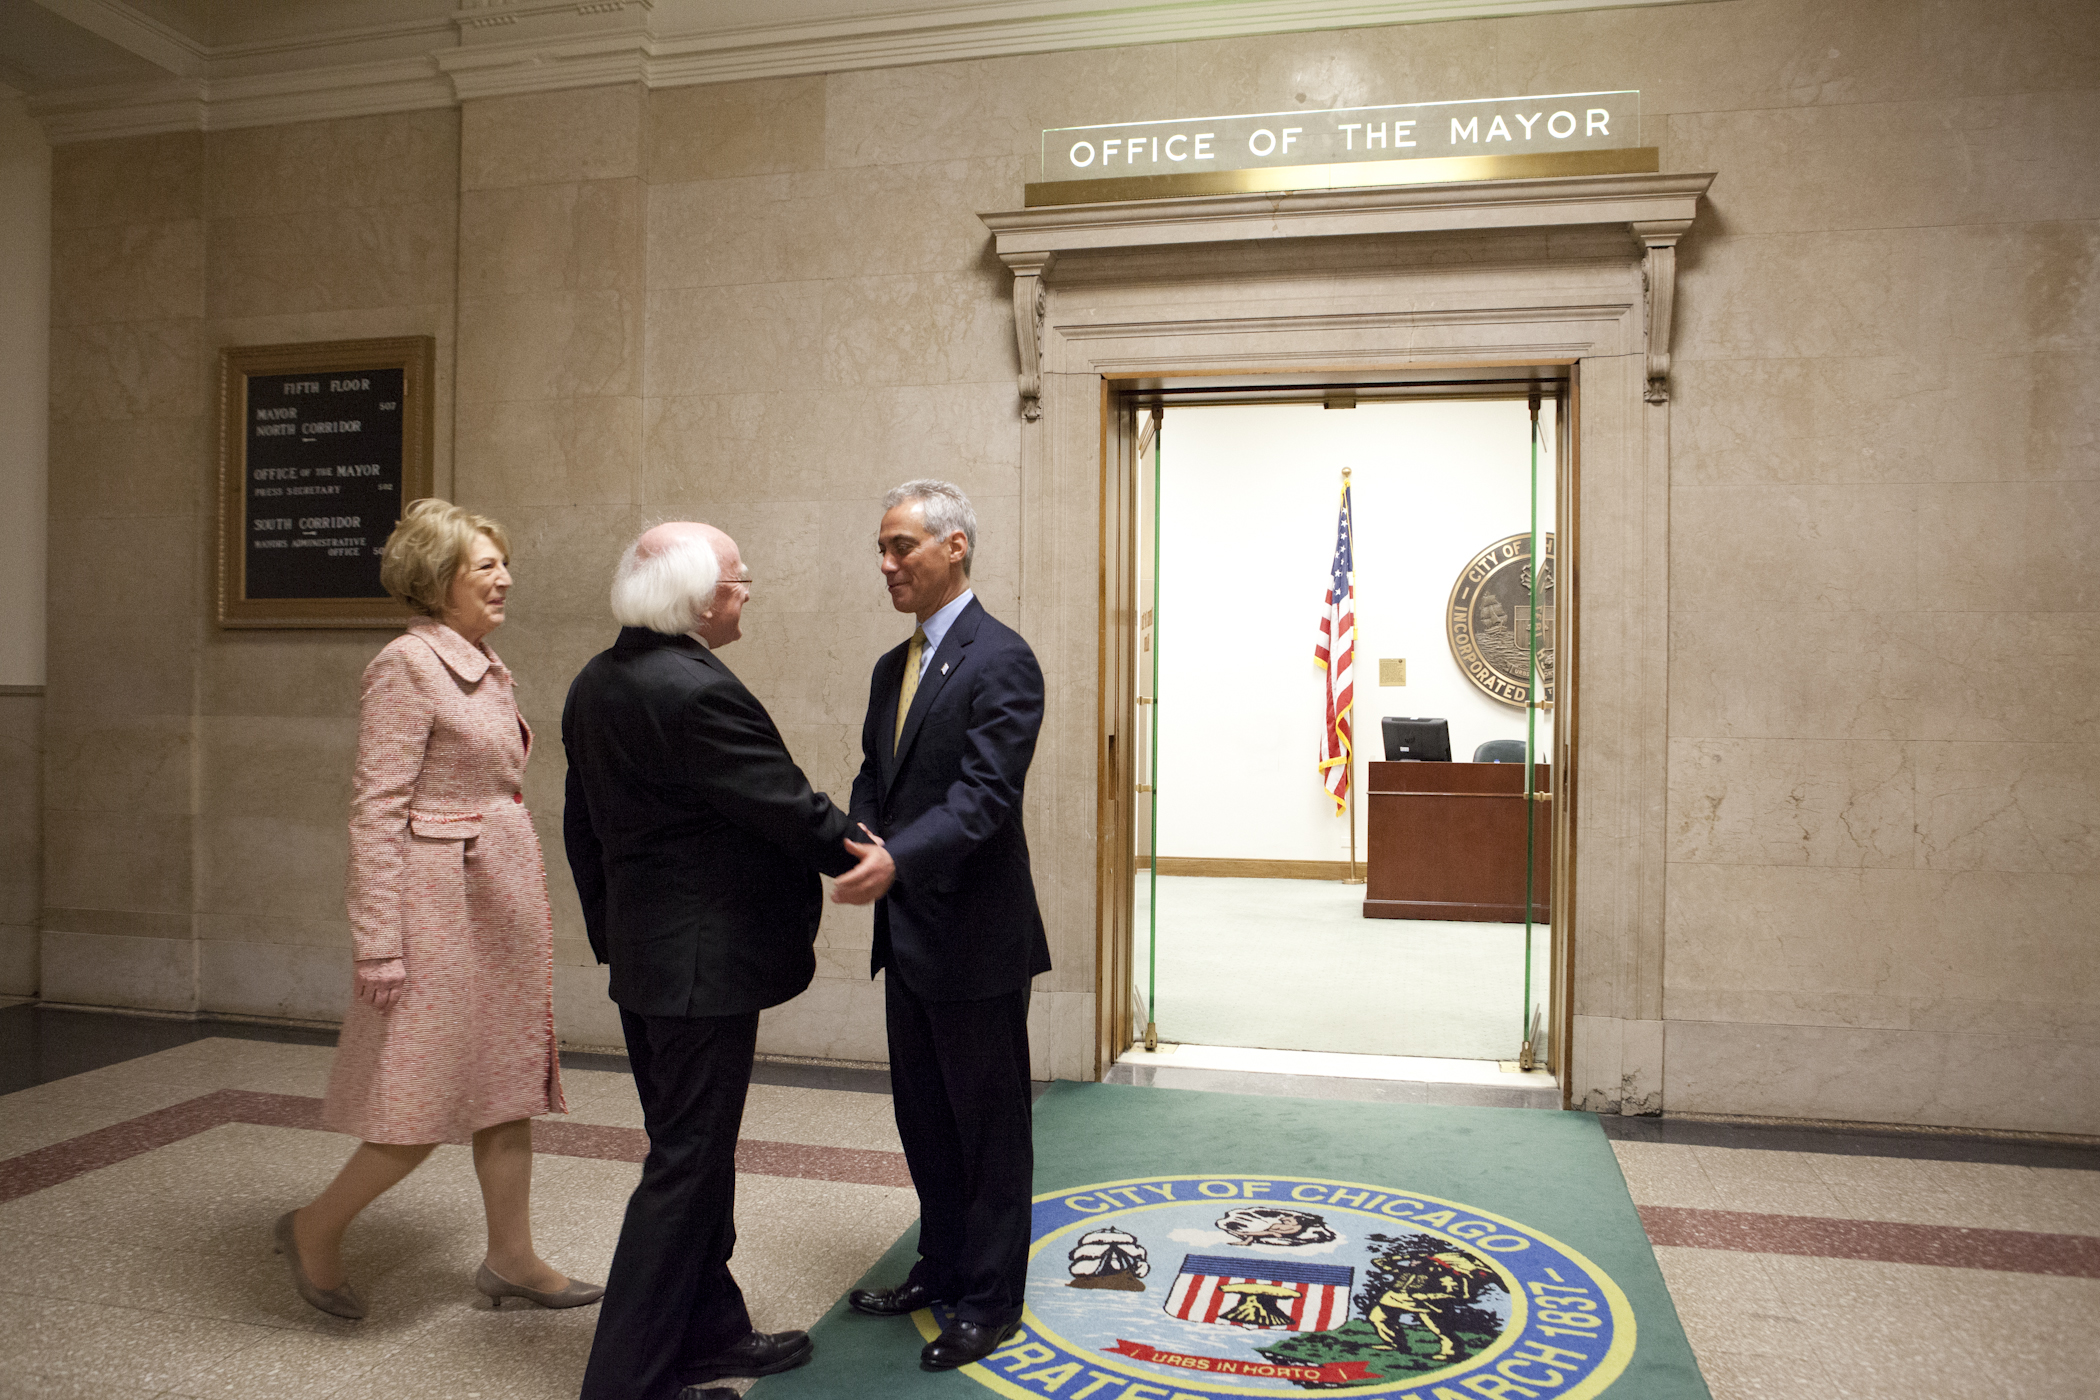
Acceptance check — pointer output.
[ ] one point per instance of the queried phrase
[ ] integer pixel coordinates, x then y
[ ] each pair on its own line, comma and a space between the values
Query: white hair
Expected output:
667, 591
945, 509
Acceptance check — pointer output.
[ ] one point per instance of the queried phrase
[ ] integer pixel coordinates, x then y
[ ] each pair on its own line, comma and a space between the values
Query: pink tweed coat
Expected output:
445, 874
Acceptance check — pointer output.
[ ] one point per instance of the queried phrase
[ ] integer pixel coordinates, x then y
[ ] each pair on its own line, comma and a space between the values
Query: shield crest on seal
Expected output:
1268, 1293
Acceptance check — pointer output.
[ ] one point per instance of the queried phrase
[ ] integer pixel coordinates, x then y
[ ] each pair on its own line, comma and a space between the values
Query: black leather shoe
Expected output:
711, 1392
891, 1302
963, 1343
758, 1354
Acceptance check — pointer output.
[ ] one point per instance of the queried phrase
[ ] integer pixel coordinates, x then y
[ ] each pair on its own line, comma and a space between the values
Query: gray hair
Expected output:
946, 510
666, 591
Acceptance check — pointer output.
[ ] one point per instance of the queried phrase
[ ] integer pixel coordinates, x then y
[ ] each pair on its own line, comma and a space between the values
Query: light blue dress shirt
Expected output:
936, 627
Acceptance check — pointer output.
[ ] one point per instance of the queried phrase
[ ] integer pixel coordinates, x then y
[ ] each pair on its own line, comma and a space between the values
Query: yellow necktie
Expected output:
912, 654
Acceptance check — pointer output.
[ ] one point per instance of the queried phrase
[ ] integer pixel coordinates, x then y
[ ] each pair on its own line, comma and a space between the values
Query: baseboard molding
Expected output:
1845, 1125
233, 1018
1252, 869
18, 960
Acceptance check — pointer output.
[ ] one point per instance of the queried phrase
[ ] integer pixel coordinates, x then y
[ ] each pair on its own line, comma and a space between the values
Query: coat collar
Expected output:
466, 660
642, 639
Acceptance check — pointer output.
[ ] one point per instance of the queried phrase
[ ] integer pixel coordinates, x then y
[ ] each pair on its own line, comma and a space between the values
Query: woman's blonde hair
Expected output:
427, 548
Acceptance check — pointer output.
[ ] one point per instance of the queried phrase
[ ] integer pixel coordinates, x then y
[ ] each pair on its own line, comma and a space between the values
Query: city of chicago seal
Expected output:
1221, 1287
1489, 620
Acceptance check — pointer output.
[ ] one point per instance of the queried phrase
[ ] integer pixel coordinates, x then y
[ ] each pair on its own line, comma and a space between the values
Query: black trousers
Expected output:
959, 1083
670, 1301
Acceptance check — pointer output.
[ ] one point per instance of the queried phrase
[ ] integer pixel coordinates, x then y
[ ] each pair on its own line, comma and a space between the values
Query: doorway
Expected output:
1247, 923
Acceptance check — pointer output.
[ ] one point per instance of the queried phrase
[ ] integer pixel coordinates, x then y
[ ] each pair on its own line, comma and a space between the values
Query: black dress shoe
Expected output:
891, 1302
965, 1342
711, 1392
758, 1354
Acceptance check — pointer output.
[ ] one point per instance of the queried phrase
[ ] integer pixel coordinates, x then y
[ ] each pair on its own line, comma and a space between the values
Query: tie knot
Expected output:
918, 636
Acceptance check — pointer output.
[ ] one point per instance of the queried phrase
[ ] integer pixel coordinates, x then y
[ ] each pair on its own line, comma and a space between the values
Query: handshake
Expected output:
870, 879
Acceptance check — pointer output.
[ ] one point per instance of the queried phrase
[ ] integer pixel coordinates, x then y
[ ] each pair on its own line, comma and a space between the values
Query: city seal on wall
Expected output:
1222, 1287
1489, 620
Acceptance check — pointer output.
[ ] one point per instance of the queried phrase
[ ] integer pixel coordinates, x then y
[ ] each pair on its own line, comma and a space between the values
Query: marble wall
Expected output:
130, 423
196, 778
21, 840
25, 365
1884, 766
25, 389
762, 304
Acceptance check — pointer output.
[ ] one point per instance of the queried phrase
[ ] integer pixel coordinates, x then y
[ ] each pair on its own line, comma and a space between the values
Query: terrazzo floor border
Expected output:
1880, 1241
62, 1161
2004, 1251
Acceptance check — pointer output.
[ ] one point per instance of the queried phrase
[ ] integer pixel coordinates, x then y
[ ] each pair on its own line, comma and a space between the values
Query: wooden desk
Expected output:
1447, 842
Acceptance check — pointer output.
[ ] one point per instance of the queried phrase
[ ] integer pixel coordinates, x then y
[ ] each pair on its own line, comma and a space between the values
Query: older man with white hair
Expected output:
695, 844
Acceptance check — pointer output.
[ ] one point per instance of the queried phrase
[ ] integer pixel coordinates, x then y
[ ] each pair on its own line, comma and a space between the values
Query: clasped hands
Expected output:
870, 880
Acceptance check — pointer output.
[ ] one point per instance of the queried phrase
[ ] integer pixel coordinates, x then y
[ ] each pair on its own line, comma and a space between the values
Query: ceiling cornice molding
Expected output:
489, 48
104, 113
503, 70
224, 104
1017, 29
426, 37
134, 32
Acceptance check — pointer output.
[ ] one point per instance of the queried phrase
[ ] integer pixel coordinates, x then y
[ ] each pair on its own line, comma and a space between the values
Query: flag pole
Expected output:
1356, 631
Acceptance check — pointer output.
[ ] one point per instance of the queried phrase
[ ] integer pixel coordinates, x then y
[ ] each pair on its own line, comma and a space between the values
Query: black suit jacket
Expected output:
694, 839
960, 922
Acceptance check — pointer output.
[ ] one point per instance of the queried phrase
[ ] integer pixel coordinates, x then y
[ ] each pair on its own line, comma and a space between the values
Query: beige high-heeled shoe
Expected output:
338, 1302
496, 1288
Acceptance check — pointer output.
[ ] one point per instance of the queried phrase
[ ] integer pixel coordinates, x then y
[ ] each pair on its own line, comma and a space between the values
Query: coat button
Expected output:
517, 797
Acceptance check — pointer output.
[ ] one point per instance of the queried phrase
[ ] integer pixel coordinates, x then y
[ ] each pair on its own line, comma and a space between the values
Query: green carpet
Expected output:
1274, 1247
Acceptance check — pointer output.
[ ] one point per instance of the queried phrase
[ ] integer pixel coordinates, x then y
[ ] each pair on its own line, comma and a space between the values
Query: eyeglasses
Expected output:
745, 580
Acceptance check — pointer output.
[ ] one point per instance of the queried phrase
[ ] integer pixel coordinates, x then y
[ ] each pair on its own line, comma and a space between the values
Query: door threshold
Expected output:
1313, 1074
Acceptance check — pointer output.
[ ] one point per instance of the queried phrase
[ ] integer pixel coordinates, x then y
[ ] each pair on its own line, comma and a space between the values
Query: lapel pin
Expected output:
944, 668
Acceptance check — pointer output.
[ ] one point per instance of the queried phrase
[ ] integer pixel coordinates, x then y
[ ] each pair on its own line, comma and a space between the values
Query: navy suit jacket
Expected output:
693, 838
960, 921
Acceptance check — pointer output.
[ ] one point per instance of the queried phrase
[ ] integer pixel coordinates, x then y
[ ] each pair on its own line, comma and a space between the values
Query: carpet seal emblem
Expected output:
1220, 1287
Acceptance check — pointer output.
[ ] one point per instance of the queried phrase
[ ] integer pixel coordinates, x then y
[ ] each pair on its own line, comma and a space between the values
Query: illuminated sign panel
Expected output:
1578, 121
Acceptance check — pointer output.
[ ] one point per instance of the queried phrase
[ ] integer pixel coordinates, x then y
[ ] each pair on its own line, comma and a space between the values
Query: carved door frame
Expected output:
1465, 280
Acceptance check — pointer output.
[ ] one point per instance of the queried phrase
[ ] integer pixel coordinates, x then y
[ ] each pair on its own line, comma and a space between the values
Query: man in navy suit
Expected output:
952, 720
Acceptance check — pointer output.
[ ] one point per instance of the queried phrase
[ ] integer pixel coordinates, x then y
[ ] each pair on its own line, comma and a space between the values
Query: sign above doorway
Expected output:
1583, 133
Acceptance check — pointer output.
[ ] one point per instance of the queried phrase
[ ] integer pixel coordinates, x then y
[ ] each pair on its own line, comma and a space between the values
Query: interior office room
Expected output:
1783, 1057
1257, 924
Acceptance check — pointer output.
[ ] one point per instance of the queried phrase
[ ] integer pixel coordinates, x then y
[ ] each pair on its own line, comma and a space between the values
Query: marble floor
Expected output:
1294, 965
138, 1183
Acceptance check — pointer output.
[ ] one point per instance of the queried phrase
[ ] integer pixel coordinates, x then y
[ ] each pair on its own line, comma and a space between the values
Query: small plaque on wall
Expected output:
320, 445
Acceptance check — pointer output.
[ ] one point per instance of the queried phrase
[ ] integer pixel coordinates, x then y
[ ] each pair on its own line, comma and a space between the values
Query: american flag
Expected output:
1336, 653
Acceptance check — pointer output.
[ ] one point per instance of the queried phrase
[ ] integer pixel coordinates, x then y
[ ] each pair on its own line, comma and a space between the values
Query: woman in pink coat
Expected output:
451, 1033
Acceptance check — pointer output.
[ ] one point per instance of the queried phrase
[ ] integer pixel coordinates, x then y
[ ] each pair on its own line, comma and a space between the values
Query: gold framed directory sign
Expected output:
319, 447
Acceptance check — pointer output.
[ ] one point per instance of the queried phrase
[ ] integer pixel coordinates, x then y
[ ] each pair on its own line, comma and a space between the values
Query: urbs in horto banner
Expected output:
1216, 1287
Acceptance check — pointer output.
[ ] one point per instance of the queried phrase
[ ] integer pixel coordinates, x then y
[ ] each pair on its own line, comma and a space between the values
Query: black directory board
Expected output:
323, 481
321, 446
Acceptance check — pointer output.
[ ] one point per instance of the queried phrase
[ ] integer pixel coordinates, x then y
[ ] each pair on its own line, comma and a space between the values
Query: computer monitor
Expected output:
1416, 740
